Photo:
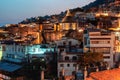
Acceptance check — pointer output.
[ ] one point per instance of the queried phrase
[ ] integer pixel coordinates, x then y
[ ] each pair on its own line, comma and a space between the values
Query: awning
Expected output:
9, 67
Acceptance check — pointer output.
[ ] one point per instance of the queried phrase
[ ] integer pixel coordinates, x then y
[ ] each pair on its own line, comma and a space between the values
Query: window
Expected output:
106, 57
74, 58
73, 72
104, 42
108, 41
103, 50
60, 73
64, 43
4, 49
12, 56
74, 65
70, 43
61, 65
19, 49
34, 49
85, 31
94, 42
85, 40
68, 65
66, 58
22, 49
61, 49
0, 47
15, 48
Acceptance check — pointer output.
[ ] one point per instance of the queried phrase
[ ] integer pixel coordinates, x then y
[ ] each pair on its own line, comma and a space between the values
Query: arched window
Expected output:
74, 58
66, 58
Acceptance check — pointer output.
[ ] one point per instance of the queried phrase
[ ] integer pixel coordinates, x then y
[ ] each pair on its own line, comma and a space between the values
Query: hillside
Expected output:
96, 3
58, 17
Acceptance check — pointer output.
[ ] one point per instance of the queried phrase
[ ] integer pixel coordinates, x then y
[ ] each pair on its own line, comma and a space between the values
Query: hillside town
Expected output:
78, 44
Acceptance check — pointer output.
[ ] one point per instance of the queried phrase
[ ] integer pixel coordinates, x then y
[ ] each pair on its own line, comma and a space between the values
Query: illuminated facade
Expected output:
52, 32
20, 53
68, 22
99, 41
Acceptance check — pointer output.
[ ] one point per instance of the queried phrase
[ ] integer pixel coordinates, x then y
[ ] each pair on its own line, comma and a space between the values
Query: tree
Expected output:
32, 70
93, 57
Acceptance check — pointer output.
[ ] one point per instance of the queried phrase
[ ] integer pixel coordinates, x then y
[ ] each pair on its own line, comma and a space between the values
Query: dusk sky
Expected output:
14, 11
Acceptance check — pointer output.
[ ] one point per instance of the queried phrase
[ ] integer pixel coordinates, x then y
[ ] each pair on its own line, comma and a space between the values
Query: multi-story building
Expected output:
96, 40
116, 30
69, 52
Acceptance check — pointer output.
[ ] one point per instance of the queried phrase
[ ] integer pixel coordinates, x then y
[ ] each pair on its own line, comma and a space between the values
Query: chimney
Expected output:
108, 68
63, 72
76, 68
97, 69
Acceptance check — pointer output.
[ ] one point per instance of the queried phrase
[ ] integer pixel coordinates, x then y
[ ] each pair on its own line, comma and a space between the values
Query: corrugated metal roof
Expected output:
9, 67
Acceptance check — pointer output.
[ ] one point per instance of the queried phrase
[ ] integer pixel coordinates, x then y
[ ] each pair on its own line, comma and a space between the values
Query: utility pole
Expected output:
42, 75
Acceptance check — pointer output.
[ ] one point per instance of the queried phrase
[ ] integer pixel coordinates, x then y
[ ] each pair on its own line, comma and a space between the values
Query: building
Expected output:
96, 40
116, 30
51, 32
11, 71
68, 56
68, 22
22, 53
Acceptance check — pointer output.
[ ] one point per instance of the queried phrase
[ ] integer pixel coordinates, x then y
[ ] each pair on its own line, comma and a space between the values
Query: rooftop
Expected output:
9, 67
113, 74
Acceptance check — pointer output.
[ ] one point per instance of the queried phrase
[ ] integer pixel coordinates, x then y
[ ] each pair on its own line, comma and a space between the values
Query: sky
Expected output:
14, 11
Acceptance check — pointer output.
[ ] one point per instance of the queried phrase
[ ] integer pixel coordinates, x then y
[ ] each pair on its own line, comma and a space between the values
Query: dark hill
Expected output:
96, 3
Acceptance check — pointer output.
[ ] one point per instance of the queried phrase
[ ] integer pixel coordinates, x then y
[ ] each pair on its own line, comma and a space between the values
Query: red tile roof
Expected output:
113, 74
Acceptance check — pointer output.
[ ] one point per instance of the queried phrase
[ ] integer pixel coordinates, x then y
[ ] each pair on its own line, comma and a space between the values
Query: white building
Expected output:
67, 41
96, 40
68, 62
68, 56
